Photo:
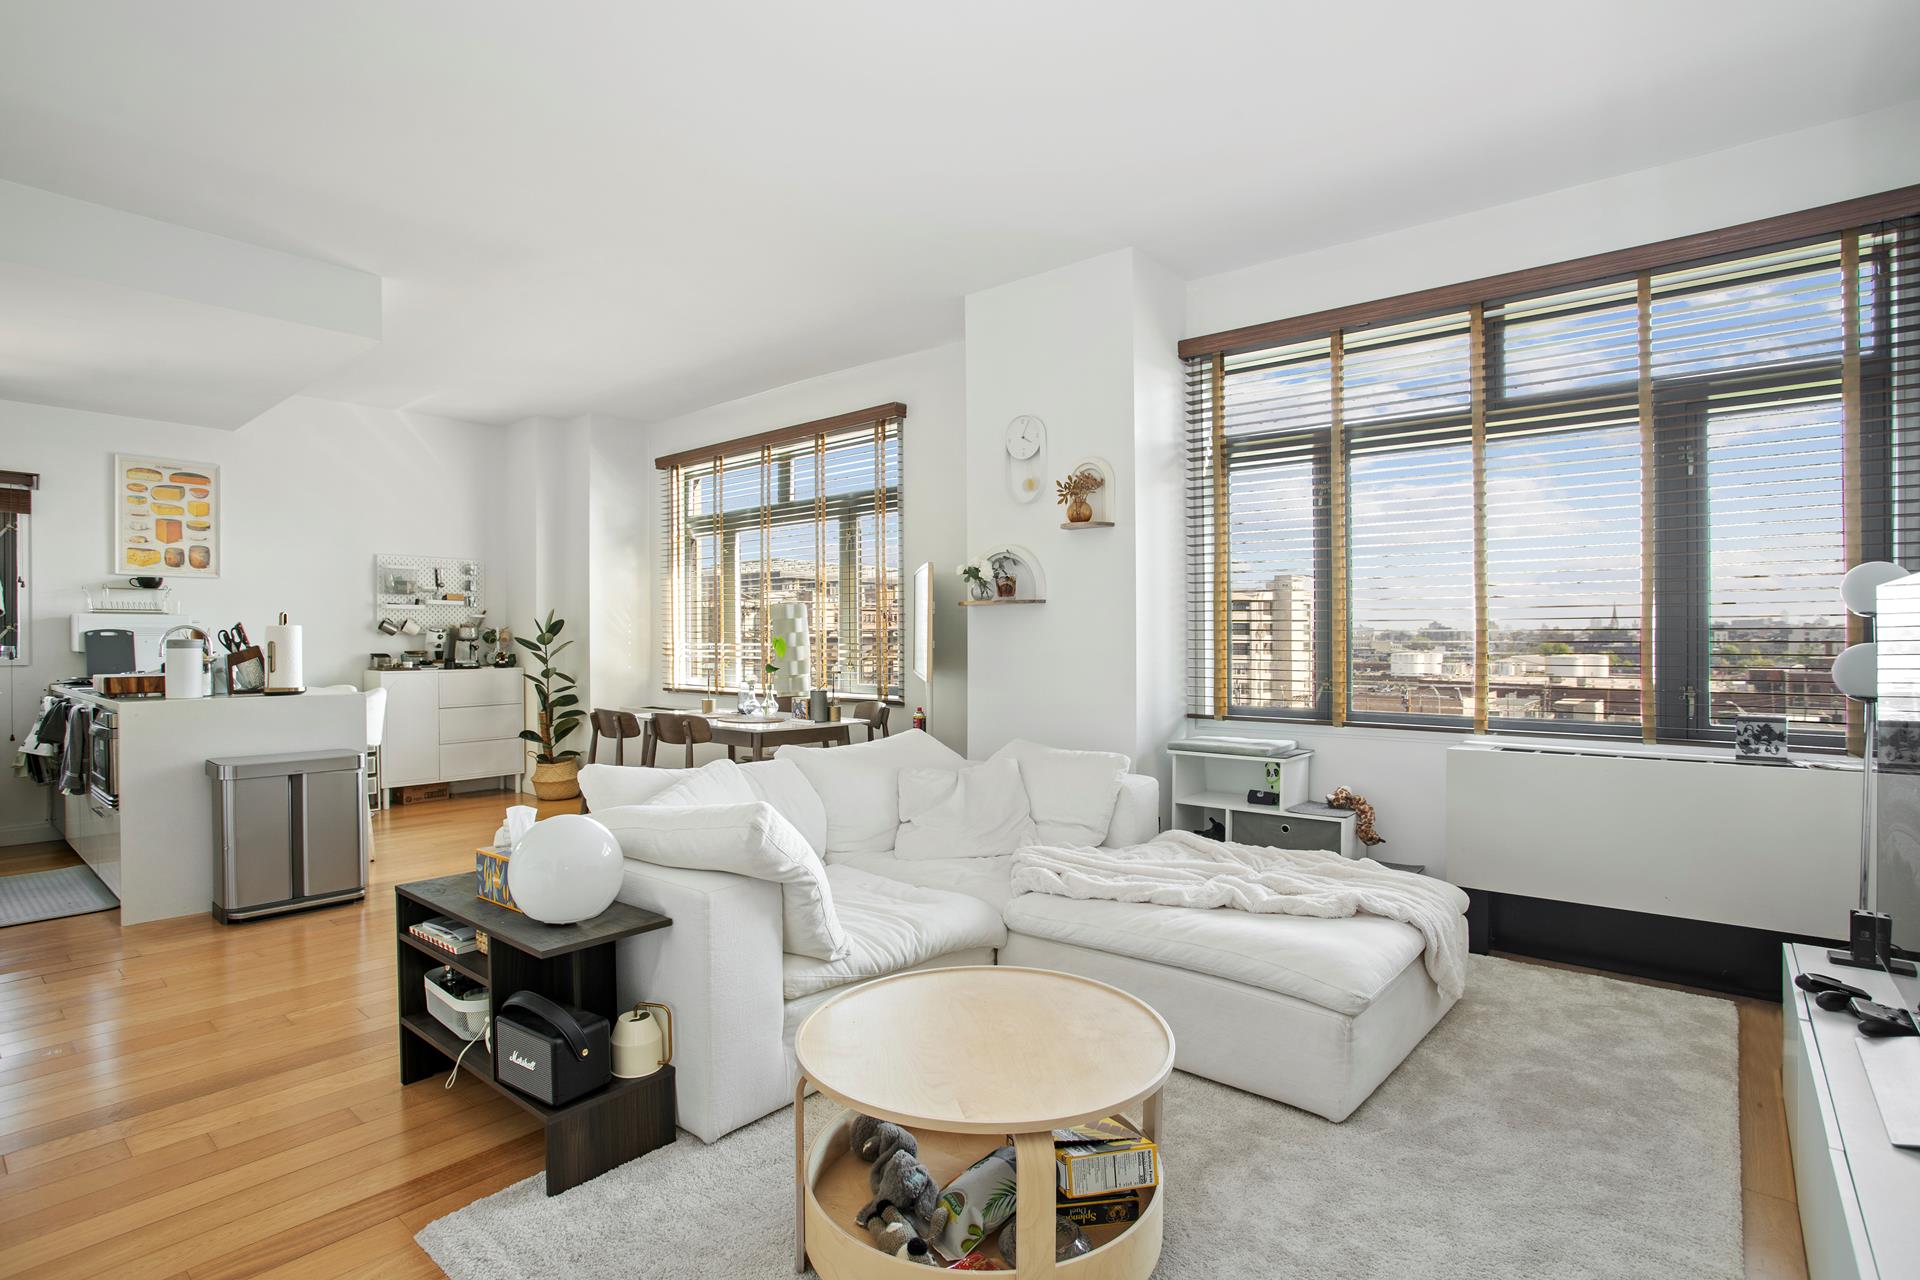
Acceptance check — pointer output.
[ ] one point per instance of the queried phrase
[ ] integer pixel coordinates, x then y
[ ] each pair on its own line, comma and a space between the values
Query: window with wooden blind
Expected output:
16, 505
805, 515
1613, 496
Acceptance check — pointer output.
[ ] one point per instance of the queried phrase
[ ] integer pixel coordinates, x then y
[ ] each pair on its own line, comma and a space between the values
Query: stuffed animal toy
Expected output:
889, 1230
1363, 813
902, 1180
873, 1140
898, 1179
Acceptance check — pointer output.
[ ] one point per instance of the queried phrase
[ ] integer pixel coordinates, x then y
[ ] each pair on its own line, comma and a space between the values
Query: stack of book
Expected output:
448, 935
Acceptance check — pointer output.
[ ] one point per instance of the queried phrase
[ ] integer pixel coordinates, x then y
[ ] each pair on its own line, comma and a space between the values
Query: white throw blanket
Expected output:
1181, 869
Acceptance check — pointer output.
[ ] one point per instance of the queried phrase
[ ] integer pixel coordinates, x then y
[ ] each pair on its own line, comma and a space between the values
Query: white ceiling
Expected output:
641, 208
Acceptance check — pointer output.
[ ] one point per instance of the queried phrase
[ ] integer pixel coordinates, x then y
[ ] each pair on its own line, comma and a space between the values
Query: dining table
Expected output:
755, 734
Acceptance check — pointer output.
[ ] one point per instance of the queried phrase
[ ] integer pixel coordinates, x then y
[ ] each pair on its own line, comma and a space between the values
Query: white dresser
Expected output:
1857, 1191
451, 726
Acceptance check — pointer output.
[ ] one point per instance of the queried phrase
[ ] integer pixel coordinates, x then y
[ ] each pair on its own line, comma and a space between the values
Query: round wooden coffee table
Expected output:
964, 1057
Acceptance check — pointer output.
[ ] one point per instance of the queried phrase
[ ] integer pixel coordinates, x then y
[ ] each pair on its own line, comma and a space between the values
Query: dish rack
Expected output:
110, 599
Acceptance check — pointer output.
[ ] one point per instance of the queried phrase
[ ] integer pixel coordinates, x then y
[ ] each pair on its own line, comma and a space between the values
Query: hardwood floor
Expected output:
181, 1099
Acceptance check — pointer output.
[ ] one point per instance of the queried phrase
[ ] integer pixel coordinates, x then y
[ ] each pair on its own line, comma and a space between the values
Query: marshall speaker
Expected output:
548, 1051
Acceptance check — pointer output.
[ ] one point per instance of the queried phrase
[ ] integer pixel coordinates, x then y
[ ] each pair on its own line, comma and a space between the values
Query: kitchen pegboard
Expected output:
416, 588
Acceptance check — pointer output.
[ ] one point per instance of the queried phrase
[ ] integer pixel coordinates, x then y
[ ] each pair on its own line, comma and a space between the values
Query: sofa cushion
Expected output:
890, 926
860, 785
750, 839
988, 879
781, 784
978, 812
1071, 792
717, 782
1337, 964
608, 785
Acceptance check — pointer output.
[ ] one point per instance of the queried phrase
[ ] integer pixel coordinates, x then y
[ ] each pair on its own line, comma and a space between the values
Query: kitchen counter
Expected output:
156, 850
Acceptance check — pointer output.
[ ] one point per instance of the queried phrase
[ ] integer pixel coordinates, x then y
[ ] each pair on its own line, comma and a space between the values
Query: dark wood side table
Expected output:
572, 964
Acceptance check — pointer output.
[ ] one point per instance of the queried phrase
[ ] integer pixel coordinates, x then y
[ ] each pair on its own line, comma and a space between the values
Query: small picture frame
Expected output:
1760, 740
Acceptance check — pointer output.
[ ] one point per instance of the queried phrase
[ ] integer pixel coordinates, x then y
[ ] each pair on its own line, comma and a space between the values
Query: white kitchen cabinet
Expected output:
450, 726
410, 736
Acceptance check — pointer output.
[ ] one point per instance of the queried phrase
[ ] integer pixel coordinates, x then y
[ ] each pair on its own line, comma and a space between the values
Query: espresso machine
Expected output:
461, 647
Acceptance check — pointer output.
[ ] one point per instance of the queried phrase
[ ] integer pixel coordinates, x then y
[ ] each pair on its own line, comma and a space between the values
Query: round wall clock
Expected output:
1026, 456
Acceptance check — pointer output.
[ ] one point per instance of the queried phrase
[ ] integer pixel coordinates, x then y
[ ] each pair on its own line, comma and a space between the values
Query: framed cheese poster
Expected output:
166, 517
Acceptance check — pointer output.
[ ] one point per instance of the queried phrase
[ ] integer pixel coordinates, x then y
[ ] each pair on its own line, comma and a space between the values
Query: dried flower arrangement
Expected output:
1073, 493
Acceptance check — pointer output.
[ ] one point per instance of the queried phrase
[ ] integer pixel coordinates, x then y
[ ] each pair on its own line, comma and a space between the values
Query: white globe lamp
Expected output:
565, 870
1858, 588
1856, 672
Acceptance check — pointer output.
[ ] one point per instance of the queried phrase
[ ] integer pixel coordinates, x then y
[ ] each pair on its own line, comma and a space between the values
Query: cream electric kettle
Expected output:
639, 1047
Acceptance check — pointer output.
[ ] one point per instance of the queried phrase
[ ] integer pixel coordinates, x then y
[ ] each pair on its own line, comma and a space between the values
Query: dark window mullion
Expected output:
1682, 569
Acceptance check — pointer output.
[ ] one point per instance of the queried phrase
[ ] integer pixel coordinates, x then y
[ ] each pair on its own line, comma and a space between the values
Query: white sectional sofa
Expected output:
1314, 1013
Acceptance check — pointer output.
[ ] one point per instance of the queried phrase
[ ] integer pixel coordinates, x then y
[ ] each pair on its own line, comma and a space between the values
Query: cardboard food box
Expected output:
1101, 1211
1086, 1169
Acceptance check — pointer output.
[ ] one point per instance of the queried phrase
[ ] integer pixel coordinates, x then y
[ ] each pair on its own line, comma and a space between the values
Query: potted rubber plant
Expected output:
556, 771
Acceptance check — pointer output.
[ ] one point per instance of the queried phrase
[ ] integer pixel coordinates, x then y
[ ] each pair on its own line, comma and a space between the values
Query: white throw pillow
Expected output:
1072, 793
781, 784
979, 812
749, 839
719, 782
608, 785
860, 785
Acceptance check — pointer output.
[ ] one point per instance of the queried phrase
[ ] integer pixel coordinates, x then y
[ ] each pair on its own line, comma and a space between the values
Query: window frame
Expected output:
1674, 413
16, 567
723, 528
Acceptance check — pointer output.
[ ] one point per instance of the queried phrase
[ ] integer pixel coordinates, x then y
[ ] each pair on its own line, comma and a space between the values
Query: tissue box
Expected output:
490, 878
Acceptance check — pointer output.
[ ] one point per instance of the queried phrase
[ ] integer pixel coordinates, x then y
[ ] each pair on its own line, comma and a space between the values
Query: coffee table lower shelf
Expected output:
836, 1189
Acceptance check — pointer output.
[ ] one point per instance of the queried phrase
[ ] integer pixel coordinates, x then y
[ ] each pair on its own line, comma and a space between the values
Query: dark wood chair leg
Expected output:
619, 750
593, 746
730, 754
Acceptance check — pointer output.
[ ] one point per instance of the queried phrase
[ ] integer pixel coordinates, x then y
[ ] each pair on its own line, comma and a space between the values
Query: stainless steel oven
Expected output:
103, 758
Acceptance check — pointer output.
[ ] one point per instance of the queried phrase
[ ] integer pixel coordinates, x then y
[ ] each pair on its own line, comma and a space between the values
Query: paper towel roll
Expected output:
284, 673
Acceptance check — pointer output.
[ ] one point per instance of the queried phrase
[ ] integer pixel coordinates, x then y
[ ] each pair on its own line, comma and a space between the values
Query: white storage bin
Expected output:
457, 1001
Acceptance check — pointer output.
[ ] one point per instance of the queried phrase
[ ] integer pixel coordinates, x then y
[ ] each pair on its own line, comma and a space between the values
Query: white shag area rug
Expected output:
1555, 1124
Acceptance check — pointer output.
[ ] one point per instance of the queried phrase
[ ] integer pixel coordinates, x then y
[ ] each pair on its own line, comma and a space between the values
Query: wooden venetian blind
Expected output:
1613, 496
16, 492
807, 515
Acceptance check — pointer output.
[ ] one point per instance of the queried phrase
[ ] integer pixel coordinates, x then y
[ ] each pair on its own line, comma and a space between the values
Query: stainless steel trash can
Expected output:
287, 833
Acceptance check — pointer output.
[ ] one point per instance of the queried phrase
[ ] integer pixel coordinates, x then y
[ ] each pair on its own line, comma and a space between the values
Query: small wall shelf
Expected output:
1089, 524
1030, 581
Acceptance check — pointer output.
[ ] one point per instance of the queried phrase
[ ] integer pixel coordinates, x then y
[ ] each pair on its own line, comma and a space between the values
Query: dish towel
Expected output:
1181, 869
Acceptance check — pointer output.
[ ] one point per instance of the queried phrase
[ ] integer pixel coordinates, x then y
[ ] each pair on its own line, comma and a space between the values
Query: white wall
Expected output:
1404, 774
625, 554
545, 514
1859, 156
1088, 349
312, 491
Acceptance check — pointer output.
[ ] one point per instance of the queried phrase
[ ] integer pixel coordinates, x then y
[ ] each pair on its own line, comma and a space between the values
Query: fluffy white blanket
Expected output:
1181, 869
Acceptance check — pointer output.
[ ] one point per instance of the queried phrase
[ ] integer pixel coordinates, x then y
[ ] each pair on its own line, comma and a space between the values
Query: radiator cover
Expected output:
1690, 837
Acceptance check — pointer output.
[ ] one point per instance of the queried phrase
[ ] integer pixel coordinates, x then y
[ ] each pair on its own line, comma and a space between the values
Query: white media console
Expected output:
1858, 1192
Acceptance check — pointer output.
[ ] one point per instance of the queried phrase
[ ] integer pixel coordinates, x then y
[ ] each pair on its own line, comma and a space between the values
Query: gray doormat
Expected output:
1554, 1124
49, 895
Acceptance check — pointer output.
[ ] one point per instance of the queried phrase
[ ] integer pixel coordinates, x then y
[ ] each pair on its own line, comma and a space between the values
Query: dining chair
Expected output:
875, 714
675, 729
618, 725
